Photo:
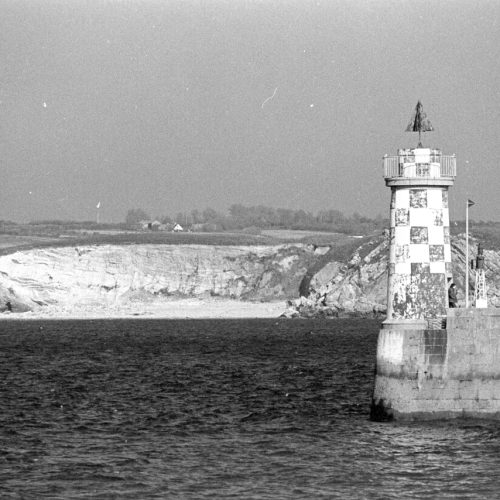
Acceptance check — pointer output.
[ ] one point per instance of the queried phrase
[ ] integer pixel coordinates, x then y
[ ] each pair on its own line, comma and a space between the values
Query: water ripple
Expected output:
218, 409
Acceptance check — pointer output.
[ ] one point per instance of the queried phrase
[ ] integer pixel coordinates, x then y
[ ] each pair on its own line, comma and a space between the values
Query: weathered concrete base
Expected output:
439, 374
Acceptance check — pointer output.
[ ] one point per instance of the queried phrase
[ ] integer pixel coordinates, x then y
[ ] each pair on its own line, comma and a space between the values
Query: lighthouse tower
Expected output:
426, 367
420, 253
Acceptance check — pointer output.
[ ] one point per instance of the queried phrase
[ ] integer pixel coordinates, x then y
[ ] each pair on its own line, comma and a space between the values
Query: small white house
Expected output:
177, 228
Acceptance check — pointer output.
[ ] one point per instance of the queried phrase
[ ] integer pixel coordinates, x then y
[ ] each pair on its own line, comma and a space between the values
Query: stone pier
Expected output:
451, 372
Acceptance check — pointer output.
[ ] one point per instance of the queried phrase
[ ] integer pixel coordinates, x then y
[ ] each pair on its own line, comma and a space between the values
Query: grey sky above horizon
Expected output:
175, 105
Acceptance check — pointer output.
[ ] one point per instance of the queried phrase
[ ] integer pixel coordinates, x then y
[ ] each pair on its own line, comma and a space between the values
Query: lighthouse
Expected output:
420, 252
433, 362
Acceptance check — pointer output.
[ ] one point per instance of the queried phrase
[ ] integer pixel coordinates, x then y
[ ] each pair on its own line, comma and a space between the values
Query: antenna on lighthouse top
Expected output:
419, 123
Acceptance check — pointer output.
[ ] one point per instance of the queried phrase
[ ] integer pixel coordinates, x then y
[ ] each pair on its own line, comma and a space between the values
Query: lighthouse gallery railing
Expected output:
405, 166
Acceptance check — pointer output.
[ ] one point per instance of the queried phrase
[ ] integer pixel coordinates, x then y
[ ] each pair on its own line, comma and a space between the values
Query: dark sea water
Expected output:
140, 409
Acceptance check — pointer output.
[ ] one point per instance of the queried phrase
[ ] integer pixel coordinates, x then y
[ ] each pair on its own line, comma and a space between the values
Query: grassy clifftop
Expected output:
10, 243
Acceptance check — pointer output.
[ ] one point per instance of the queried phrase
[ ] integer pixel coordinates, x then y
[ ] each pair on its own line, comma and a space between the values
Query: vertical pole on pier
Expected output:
467, 263
467, 254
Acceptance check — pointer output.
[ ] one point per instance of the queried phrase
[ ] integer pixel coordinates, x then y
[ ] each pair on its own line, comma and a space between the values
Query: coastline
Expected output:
169, 309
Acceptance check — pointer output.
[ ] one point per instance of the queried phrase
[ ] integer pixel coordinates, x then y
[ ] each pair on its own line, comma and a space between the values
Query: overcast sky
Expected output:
172, 105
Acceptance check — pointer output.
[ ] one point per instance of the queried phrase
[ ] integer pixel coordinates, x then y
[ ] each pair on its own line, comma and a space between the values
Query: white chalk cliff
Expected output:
109, 275
130, 276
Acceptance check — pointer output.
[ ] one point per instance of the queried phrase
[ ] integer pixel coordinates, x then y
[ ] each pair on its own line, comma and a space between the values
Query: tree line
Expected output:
254, 218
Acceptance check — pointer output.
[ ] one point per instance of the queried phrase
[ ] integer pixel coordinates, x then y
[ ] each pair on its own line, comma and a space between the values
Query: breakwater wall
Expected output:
438, 373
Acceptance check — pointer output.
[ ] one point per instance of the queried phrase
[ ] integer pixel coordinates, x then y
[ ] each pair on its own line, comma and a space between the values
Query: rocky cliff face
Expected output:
103, 276
360, 286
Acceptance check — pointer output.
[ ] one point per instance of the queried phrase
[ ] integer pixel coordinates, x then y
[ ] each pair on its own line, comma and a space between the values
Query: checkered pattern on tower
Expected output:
420, 252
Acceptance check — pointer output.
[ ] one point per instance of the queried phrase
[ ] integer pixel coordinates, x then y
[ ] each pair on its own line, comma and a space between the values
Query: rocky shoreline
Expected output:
310, 309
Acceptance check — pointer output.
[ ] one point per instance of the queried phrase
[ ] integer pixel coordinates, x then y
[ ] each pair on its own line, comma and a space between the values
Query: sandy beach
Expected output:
167, 309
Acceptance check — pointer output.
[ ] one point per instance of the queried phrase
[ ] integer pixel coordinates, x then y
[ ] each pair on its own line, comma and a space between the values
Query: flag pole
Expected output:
467, 253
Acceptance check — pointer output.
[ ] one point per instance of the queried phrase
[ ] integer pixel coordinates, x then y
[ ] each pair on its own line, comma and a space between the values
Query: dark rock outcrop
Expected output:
360, 286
